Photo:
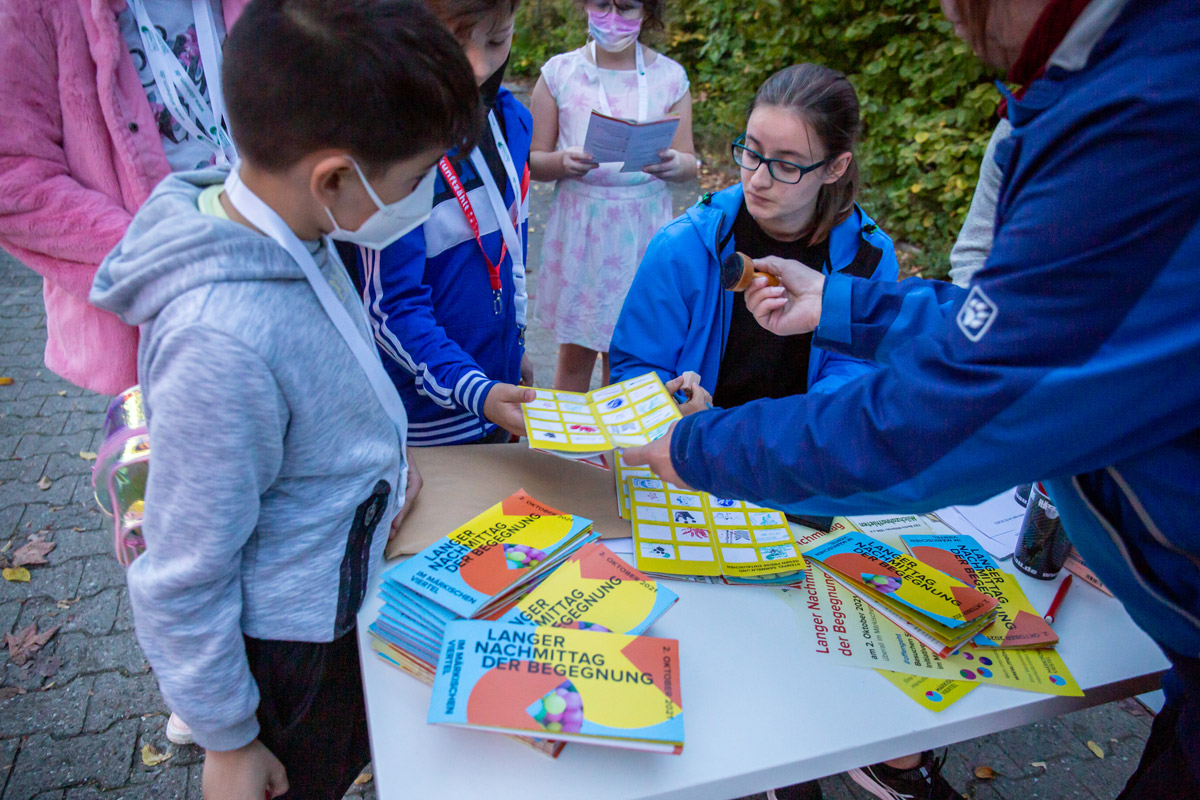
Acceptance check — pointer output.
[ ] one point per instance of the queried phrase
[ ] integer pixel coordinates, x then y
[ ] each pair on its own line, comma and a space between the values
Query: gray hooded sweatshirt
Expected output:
274, 468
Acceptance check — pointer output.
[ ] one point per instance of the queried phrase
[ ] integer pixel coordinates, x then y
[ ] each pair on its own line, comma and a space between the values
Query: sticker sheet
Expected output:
622, 472
683, 532
626, 414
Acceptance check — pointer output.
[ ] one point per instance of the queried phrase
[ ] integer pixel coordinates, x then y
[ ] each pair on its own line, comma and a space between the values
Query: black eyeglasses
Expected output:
782, 171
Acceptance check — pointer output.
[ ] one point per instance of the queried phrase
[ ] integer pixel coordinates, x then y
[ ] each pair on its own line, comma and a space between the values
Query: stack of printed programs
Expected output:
681, 533
940, 611
534, 572
626, 414
937, 622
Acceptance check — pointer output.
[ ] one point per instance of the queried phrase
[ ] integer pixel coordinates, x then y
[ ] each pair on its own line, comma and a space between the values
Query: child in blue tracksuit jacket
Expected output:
1074, 356
448, 308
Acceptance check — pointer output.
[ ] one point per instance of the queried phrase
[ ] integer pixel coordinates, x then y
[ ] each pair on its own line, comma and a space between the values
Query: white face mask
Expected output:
389, 223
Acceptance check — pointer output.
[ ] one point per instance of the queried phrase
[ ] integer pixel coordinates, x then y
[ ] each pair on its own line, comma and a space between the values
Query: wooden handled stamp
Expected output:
738, 272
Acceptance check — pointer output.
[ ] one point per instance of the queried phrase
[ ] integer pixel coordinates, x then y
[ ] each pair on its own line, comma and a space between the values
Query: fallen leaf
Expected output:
7, 545
62, 393
10, 691
1096, 749
363, 779
1041, 764
77, 529
48, 686
16, 574
45, 483
985, 773
65, 604
33, 553
6, 381
24, 643
151, 757
87, 455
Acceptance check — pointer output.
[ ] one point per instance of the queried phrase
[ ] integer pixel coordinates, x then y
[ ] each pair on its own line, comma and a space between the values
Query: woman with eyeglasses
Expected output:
796, 200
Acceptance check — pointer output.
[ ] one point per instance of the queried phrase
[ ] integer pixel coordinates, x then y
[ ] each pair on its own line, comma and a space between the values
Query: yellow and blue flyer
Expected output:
594, 590
486, 562
560, 684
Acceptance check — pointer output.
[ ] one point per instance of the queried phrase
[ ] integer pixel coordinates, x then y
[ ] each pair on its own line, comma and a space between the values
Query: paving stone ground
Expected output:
79, 715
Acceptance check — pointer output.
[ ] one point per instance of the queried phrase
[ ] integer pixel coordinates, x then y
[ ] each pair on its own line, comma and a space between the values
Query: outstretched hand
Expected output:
656, 456
698, 398
794, 307
503, 406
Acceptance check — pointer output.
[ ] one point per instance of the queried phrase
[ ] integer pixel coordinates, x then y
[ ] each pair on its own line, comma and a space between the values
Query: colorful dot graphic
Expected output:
1058, 680
934, 696
968, 674
985, 672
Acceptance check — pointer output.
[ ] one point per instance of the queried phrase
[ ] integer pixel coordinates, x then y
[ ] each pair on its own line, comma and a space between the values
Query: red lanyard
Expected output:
460, 194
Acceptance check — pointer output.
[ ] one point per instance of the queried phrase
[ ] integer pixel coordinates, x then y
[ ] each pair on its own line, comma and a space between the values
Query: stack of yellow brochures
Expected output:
625, 414
560, 684
584, 586
1017, 623
941, 612
679, 532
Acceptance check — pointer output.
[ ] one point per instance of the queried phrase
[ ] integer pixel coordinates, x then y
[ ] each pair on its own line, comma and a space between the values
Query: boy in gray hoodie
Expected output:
277, 459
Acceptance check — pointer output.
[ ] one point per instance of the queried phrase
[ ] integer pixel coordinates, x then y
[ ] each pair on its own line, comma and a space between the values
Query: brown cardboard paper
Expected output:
465, 480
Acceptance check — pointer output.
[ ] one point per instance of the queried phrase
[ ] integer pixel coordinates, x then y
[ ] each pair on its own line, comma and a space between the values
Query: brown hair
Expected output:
652, 14
379, 78
826, 100
461, 16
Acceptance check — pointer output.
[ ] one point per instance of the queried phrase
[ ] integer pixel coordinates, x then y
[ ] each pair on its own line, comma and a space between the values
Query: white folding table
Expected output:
760, 710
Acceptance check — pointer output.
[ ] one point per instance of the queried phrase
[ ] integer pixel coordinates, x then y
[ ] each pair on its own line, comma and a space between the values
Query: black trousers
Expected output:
1170, 765
311, 713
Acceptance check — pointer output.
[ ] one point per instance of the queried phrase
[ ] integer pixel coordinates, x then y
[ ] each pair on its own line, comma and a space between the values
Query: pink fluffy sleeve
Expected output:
49, 220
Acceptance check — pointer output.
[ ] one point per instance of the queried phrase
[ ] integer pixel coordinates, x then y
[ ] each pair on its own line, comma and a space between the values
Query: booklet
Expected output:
684, 532
486, 562
594, 590
1017, 623
637, 144
626, 414
560, 684
901, 582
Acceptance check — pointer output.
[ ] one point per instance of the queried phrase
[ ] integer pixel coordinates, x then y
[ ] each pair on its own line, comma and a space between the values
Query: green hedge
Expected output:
928, 103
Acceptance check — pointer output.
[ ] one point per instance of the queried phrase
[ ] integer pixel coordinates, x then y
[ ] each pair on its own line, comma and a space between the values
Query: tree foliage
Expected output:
928, 104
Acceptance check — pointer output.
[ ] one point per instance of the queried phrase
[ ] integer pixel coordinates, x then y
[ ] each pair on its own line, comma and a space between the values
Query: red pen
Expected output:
1058, 598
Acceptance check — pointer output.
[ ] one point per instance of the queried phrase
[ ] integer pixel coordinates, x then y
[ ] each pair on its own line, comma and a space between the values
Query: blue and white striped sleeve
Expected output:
400, 311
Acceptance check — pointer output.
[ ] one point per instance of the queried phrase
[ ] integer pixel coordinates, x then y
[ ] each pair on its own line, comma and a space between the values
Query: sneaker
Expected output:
178, 731
797, 791
922, 782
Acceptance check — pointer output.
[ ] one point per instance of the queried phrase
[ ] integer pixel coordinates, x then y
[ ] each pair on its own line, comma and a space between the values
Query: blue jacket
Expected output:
430, 303
1074, 356
676, 315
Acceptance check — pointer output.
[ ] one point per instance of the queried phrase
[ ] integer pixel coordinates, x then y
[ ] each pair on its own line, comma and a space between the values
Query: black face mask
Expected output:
490, 87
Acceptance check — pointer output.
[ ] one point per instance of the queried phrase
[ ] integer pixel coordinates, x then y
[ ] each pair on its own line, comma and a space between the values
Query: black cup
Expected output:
1042, 545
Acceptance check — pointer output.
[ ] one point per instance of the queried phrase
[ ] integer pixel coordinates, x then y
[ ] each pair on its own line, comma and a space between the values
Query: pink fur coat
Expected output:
79, 152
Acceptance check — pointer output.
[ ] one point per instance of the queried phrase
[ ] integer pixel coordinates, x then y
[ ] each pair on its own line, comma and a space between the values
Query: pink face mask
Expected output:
613, 32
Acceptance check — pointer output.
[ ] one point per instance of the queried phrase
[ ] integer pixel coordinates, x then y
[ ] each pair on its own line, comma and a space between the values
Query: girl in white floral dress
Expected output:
602, 219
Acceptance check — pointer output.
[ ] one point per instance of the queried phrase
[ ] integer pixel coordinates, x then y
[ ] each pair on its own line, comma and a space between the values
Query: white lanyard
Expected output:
508, 227
179, 93
266, 220
643, 88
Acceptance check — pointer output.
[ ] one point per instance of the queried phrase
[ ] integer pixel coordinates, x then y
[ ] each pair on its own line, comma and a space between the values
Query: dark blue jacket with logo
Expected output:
1073, 357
